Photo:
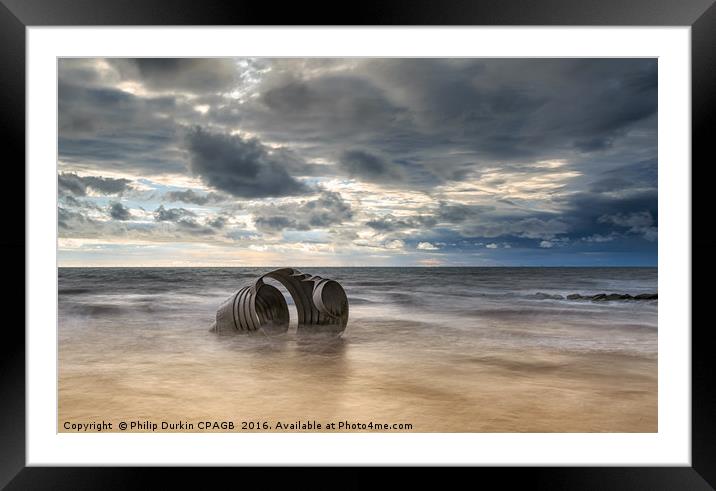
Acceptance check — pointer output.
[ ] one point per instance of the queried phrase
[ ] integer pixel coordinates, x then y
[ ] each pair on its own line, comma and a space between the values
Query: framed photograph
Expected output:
455, 236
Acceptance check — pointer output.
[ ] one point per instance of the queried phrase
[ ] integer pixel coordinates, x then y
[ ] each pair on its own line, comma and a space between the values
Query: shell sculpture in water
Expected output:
321, 303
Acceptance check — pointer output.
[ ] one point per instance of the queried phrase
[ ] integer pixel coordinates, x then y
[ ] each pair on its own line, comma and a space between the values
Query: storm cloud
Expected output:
443, 114
238, 166
455, 159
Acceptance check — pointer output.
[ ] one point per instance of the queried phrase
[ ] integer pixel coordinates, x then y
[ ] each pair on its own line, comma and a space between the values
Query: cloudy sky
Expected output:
424, 162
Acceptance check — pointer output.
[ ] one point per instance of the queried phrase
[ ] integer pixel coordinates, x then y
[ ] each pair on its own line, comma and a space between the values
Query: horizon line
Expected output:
307, 267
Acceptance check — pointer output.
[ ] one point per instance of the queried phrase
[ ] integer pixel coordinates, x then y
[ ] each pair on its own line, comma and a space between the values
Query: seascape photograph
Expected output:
394, 245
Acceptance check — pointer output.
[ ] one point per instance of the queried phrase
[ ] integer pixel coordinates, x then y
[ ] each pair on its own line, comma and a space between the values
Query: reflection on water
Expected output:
485, 356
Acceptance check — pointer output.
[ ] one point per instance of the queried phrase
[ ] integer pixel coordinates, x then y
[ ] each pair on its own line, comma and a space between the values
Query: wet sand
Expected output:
331, 381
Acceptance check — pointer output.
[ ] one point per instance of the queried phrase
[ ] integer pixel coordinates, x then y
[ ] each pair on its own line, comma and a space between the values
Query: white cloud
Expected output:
492, 246
427, 246
600, 238
395, 244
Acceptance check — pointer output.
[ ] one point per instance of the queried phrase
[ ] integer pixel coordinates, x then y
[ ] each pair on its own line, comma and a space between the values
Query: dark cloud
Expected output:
68, 219
368, 167
87, 111
328, 210
529, 228
71, 183
185, 221
180, 74
276, 222
634, 176
390, 223
192, 227
162, 214
106, 128
458, 212
217, 222
241, 167
418, 124
346, 103
458, 217
429, 112
119, 212
80, 71
451, 221
639, 223
600, 218
189, 196
73, 202
586, 216
414, 122
594, 144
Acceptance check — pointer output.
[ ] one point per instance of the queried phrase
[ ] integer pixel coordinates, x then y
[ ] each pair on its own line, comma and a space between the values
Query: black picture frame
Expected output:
16, 15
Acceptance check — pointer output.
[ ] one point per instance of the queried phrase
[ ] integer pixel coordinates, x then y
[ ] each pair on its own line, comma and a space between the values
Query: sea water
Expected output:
444, 349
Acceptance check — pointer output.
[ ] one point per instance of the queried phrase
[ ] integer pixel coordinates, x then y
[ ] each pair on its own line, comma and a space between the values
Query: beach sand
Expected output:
323, 381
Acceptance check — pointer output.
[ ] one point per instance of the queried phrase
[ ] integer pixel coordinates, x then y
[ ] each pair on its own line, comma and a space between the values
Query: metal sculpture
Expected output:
321, 303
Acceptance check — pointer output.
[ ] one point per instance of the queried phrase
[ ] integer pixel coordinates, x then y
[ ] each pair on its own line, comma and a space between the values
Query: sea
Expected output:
442, 349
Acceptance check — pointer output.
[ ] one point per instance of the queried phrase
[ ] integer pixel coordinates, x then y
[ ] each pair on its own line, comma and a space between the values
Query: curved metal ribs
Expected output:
321, 303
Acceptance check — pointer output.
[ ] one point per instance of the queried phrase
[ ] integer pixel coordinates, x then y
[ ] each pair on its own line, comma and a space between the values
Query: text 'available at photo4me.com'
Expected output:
149, 426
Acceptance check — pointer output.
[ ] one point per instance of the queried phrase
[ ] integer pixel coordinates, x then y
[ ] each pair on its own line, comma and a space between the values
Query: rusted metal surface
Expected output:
321, 303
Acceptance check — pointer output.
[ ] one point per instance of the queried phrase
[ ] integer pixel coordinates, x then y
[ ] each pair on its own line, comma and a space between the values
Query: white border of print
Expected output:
670, 446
